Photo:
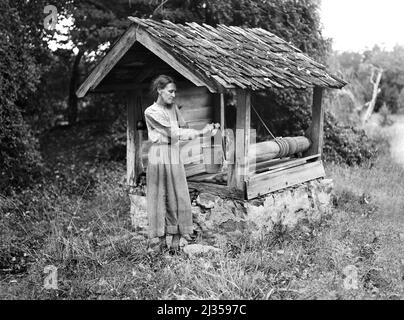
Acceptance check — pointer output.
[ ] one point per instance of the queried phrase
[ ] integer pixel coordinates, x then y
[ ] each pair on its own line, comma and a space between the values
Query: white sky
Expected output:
359, 24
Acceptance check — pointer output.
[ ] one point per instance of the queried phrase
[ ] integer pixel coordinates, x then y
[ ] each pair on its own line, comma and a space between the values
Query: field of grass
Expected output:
88, 237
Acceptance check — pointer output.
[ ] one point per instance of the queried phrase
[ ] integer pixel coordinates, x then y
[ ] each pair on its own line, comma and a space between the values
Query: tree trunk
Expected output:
372, 103
74, 82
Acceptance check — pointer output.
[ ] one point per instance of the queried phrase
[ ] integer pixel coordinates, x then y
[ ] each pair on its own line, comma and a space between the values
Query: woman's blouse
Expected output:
163, 125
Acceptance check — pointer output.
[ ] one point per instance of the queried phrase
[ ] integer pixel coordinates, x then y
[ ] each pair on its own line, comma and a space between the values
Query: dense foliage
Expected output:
346, 144
20, 161
357, 69
392, 84
348, 105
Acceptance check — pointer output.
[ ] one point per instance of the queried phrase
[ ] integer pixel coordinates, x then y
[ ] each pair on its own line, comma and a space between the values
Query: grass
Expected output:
88, 237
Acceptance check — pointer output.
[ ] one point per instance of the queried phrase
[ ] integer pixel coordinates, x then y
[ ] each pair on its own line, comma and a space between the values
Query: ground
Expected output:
79, 223
397, 141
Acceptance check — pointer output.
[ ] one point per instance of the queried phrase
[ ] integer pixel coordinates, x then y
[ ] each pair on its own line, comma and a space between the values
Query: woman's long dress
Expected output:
168, 201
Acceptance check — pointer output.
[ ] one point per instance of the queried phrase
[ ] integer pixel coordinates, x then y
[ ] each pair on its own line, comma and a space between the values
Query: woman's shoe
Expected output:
157, 245
175, 244
188, 238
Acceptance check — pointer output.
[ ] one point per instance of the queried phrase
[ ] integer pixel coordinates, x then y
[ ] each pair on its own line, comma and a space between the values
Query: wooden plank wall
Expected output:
268, 182
196, 106
239, 171
316, 130
133, 156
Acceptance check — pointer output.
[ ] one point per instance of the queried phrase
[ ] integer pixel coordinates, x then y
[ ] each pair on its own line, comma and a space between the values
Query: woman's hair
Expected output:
160, 83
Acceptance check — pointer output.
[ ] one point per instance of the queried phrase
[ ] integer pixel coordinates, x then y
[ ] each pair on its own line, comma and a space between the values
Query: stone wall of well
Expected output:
307, 202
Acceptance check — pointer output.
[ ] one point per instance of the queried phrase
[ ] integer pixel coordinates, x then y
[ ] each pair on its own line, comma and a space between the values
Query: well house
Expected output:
208, 62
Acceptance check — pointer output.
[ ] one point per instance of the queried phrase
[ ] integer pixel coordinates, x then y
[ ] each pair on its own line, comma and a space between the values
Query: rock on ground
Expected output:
199, 249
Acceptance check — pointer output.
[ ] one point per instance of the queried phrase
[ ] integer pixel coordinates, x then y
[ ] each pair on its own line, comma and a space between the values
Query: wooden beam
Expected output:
239, 171
316, 130
144, 38
222, 111
265, 183
108, 62
266, 164
193, 169
133, 150
216, 189
222, 129
285, 165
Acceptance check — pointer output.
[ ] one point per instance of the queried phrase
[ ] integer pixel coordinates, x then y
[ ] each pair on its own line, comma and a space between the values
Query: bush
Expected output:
285, 112
118, 151
20, 161
346, 144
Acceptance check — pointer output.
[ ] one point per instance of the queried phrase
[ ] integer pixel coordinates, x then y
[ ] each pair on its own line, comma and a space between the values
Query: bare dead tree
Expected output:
375, 79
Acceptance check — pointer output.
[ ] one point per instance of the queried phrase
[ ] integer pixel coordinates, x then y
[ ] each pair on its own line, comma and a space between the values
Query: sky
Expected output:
356, 25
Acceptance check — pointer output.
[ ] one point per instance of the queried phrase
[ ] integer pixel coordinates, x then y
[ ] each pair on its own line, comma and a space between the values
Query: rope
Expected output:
262, 121
223, 132
284, 148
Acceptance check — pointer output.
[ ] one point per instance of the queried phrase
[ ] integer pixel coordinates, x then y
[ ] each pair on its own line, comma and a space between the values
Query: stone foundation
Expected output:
308, 202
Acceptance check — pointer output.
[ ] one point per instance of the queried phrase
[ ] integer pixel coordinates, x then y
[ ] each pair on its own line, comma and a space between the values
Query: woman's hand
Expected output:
208, 129
216, 127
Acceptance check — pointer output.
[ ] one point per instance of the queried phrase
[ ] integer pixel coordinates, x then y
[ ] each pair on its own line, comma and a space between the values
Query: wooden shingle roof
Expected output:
221, 57
251, 58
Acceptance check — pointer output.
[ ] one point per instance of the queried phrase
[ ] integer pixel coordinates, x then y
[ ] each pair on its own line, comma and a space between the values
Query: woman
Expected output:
168, 201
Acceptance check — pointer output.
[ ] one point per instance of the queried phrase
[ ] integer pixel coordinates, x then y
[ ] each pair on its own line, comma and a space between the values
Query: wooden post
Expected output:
238, 173
316, 130
223, 132
218, 117
219, 109
222, 106
133, 154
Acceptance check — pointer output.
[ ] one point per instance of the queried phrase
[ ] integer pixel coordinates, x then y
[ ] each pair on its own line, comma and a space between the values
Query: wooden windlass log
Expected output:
279, 148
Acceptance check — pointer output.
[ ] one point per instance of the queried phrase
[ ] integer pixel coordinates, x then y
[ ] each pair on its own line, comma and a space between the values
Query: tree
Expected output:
20, 72
392, 83
375, 79
401, 101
